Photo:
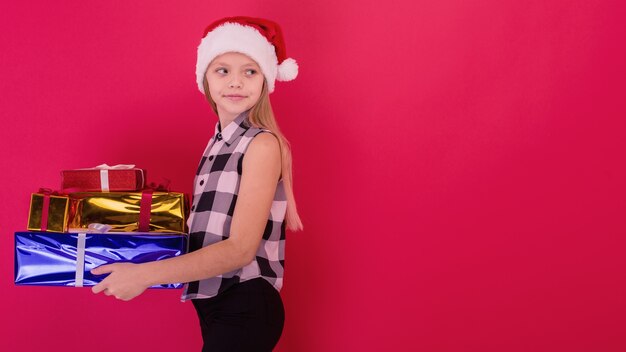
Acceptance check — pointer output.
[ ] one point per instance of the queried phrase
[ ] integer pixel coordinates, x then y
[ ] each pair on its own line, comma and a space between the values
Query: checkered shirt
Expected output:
216, 186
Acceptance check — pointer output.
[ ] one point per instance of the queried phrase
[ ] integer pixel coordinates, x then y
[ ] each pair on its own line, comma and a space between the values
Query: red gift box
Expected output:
104, 178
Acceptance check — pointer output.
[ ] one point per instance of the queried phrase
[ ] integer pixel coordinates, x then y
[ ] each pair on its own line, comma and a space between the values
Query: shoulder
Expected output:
263, 152
265, 137
263, 142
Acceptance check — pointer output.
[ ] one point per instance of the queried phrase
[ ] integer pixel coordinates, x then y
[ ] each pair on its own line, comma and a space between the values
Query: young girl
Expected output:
243, 197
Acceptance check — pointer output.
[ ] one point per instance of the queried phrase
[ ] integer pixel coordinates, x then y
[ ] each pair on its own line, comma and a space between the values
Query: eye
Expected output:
221, 70
251, 72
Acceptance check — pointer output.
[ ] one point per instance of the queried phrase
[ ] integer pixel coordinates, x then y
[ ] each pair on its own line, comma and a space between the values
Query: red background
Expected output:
459, 166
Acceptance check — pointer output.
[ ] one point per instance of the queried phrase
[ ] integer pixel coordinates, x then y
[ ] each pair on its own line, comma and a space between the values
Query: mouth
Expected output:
234, 97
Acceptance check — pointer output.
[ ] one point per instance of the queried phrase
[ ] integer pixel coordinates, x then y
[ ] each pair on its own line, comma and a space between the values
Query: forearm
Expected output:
209, 261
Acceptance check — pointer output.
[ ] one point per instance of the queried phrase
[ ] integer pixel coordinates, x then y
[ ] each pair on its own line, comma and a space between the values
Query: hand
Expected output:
125, 281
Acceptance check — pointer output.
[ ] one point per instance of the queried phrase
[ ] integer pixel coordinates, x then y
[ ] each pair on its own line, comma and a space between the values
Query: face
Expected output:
235, 83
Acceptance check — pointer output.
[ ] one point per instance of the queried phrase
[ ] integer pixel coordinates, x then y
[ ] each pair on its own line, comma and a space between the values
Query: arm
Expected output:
260, 173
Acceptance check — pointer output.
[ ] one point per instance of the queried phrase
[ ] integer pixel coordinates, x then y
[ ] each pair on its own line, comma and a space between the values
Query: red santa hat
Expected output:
260, 39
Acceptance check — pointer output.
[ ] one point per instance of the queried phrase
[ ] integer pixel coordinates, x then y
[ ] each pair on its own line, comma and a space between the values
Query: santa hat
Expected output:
260, 39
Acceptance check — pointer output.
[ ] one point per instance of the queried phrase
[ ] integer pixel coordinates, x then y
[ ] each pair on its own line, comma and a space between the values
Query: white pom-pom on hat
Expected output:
287, 70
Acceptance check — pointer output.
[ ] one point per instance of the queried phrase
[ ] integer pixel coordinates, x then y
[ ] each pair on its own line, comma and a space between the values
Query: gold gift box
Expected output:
57, 213
120, 210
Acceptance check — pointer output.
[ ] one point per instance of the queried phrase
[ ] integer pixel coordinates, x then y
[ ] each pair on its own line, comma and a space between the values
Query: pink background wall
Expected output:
459, 166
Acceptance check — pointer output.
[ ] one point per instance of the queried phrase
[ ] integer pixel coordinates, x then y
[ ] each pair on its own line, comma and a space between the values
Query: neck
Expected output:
226, 119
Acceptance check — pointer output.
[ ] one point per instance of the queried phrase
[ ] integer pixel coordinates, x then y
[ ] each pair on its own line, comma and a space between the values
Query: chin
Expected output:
234, 112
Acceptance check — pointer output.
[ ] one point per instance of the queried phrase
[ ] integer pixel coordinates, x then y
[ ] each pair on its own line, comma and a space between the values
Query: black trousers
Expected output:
248, 316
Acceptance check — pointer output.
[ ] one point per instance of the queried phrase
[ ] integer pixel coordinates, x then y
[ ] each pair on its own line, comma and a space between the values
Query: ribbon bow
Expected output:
114, 167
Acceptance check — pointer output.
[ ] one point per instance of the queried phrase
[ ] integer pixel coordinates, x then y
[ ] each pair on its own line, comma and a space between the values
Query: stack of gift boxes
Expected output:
101, 215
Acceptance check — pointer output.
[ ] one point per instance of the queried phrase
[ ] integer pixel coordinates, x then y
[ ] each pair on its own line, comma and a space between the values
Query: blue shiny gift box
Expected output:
65, 259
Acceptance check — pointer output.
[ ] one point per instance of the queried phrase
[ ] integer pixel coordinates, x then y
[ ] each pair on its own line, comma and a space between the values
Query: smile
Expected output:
235, 97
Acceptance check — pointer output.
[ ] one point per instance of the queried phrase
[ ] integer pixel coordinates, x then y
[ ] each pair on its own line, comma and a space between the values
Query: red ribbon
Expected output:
159, 187
44, 212
46, 206
145, 206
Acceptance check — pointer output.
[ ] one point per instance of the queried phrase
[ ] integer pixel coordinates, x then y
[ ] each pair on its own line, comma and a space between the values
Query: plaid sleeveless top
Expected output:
216, 186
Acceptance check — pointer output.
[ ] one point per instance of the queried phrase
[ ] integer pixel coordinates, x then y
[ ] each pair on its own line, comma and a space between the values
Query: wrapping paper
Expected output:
50, 259
56, 214
121, 210
104, 178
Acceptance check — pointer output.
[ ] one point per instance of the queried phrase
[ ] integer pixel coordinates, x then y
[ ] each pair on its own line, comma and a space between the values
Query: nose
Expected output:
235, 81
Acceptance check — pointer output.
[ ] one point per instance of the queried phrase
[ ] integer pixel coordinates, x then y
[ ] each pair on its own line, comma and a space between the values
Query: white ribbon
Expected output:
115, 167
101, 228
80, 259
91, 228
104, 180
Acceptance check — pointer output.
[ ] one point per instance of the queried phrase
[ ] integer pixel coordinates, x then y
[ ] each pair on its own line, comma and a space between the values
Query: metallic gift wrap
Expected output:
50, 259
121, 210
57, 212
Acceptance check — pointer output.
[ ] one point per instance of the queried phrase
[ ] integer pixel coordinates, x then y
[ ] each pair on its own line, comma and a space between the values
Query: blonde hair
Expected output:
261, 115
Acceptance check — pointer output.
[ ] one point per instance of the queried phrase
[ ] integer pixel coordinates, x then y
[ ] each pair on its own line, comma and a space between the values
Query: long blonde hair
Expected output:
261, 115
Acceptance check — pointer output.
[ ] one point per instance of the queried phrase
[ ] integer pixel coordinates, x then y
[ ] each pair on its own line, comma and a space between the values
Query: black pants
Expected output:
248, 316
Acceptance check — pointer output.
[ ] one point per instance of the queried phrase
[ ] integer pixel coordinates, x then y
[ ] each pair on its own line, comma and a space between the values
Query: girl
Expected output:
243, 197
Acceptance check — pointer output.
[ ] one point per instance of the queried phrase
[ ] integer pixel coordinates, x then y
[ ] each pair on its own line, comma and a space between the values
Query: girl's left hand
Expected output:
125, 281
